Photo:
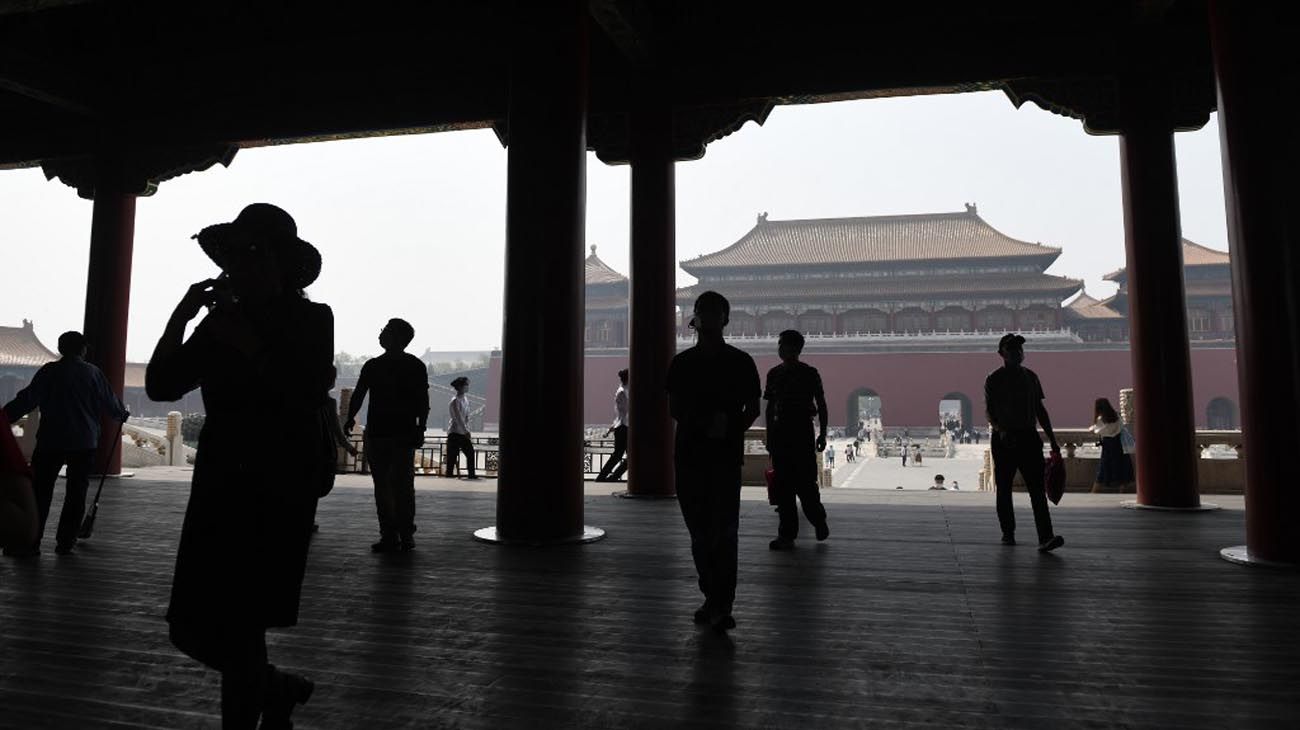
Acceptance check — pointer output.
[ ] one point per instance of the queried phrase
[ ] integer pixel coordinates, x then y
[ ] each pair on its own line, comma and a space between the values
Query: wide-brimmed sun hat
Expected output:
263, 223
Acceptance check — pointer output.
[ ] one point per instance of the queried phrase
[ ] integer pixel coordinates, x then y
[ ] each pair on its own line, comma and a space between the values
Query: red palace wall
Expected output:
910, 384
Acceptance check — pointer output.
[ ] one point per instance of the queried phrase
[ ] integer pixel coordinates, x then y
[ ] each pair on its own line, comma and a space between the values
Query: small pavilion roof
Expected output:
870, 240
902, 287
1087, 307
1194, 254
20, 347
599, 272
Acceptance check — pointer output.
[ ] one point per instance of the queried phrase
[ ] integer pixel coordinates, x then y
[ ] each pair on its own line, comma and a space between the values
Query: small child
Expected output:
938, 483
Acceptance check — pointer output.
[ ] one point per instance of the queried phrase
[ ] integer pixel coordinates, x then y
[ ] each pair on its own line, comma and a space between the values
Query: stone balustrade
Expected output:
1219, 470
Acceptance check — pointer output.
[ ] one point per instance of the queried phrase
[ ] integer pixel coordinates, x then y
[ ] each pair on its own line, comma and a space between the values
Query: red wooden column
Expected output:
1253, 58
1165, 426
539, 492
108, 295
653, 334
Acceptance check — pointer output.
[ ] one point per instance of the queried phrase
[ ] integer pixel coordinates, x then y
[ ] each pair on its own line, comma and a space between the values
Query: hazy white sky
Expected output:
415, 226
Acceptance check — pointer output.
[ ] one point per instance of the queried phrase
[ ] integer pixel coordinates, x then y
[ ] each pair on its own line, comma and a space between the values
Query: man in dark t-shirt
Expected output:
1013, 400
398, 385
794, 396
713, 393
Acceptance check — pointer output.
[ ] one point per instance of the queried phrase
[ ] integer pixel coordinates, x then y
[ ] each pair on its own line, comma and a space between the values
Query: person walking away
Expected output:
830, 456
72, 395
263, 354
615, 465
903, 449
459, 438
713, 395
916, 455
1013, 400
397, 383
794, 396
1115, 468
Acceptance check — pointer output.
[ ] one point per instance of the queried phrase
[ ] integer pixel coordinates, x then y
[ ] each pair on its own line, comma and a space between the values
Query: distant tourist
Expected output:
849, 454
72, 395
1115, 468
263, 352
616, 464
903, 449
830, 456
329, 415
794, 397
18, 516
954, 485
916, 454
1013, 400
459, 439
713, 395
938, 483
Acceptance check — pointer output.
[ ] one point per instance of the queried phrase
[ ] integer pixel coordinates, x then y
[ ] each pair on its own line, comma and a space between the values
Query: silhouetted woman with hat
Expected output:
262, 356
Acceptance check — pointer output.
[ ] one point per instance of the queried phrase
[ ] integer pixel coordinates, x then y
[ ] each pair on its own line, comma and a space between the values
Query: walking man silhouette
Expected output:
71, 394
794, 396
398, 385
713, 394
1013, 400
616, 465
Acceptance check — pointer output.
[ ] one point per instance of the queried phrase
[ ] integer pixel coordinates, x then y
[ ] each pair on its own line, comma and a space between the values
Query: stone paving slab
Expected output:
911, 615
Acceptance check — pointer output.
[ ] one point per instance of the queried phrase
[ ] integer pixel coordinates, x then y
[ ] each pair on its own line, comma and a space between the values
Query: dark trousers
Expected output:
709, 495
45, 472
615, 465
1020, 451
392, 467
794, 461
457, 444
240, 655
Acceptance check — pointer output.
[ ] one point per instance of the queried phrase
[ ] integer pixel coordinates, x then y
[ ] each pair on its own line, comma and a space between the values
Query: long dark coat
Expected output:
261, 459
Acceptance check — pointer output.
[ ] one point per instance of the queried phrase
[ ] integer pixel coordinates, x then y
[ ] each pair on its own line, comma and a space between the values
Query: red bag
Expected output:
770, 475
1054, 477
11, 459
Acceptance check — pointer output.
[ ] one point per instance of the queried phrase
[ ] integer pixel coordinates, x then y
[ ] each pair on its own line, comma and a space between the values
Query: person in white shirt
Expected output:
617, 464
458, 436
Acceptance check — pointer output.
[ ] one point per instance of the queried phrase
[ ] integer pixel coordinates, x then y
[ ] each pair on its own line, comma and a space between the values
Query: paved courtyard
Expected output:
911, 615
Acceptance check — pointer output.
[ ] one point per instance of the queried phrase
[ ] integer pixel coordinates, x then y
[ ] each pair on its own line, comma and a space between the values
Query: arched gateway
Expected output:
863, 404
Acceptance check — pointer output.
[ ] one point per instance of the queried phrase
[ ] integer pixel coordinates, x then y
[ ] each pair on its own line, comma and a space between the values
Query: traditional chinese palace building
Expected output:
909, 308
937, 272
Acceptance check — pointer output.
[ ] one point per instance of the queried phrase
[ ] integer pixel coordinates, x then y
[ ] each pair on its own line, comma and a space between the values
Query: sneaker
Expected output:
1052, 544
65, 549
823, 531
702, 614
284, 692
781, 543
722, 622
1008, 539
385, 546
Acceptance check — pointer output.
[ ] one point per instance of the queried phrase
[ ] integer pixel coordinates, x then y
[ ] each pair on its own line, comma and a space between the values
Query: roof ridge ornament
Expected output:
972, 209
762, 217
593, 249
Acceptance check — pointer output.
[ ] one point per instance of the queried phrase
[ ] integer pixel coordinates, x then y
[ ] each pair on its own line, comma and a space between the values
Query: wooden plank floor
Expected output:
912, 615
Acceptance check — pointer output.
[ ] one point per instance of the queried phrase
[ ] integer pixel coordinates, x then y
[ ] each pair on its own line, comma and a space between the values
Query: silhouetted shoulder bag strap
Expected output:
1127, 441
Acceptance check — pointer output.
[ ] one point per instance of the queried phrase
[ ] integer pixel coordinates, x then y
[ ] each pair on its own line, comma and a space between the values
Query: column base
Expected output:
589, 534
1240, 555
1202, 507
627, 494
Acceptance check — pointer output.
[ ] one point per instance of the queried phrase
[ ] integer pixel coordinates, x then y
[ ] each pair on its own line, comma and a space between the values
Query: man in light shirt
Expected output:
458, 436
616, 464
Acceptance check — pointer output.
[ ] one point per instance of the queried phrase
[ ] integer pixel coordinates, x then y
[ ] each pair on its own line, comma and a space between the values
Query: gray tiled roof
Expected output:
1086, 307
877, 239
19, 347
598, 272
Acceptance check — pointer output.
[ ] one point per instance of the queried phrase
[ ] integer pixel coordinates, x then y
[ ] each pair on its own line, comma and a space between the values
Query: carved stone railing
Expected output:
1219, 470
